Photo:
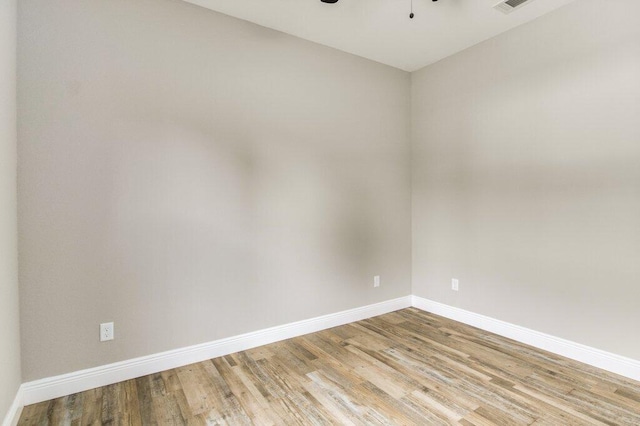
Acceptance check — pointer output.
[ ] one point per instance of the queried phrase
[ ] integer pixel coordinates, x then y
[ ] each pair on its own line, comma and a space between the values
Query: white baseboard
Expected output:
13, 415
54, 387
595, 357
67, 384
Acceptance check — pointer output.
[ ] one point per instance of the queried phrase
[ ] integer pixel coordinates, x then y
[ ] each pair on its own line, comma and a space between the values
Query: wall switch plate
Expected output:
106, 331
376, 281
454, 284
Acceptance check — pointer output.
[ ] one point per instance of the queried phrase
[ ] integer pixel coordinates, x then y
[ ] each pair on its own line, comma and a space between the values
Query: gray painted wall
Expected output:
9, 317
191, 176
526, 176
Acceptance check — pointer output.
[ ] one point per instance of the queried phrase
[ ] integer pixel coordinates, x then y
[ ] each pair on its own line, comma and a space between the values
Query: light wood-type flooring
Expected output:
404, 368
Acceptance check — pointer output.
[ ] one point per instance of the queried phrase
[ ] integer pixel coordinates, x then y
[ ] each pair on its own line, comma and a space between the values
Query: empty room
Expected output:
316, 212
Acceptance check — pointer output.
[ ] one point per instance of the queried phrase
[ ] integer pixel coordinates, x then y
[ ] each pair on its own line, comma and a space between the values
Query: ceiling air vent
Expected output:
508, 6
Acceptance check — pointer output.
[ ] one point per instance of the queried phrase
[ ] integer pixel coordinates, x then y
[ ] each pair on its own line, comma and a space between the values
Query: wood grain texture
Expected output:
404, 368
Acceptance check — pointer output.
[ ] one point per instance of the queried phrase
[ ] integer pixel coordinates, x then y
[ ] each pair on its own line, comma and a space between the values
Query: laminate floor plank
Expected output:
404, 368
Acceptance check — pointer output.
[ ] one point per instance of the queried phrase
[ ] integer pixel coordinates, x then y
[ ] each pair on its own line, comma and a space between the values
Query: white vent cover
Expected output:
508, 6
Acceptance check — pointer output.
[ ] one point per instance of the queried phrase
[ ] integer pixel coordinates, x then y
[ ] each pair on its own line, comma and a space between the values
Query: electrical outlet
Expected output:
454, 284
376, 281
106, 331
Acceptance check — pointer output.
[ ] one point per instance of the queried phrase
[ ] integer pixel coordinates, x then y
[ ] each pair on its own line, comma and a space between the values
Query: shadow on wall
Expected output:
175, 157
194, 216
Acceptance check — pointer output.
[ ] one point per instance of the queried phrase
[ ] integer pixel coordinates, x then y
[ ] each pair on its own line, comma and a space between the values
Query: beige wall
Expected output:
191, 176
9, 325
526, 176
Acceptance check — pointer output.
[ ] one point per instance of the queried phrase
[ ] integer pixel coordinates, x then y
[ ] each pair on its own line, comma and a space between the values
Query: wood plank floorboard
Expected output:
404, 368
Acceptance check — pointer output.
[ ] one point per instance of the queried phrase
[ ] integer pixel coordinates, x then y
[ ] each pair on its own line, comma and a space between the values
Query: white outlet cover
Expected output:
376, 281
455, 285
106, 331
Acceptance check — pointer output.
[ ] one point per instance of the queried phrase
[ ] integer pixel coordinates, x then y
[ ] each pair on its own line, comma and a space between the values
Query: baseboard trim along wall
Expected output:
13, 415
595, 357
66, 384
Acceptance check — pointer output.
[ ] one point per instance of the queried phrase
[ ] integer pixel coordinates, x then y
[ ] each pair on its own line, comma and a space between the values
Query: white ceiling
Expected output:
381, 29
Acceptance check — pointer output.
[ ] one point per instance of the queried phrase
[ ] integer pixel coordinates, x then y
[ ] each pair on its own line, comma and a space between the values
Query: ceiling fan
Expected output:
411, 15
336, 1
